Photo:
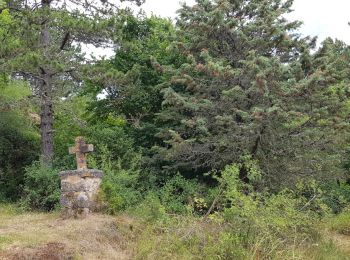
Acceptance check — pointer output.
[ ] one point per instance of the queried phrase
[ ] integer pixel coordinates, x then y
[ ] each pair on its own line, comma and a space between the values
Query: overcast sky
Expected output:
321, 17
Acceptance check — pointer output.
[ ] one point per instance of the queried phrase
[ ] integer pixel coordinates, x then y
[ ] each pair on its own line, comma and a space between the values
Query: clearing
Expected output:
47, 236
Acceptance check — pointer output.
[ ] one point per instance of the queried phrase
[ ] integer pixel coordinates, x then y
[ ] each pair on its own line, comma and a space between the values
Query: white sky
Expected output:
324, 18
321, 18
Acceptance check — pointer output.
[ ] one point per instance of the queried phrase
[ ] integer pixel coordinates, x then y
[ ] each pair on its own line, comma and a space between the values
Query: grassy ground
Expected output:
26, 235
47, 236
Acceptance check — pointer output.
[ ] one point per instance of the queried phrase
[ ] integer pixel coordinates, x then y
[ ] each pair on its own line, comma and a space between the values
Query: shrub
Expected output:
19, 146
151, 208
113, 143
178, 194
41, 187
119, 185
336, 196
69, 123
227, 245
265, 223
118, 190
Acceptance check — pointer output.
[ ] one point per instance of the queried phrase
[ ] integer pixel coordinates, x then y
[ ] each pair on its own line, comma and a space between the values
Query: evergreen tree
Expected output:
320, 102
44, 40
237, 93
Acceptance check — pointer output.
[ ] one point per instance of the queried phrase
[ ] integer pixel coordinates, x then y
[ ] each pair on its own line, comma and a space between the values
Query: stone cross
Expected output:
80, 149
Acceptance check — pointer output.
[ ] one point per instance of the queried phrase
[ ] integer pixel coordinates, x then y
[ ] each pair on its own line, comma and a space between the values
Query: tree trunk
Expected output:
46, 126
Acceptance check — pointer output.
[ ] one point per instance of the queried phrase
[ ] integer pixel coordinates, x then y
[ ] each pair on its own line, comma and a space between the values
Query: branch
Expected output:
64, 41
28, 74
42, 70
213, 205
309, 202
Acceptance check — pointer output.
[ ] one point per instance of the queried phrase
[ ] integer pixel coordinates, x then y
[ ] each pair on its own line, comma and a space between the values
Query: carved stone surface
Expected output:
79, 189
80, 150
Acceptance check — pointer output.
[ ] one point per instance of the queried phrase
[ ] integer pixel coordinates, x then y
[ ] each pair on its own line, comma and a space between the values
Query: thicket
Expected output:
284, 225
228, 128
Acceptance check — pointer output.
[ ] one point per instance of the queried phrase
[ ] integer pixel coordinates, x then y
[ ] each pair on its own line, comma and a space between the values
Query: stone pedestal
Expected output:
79, 189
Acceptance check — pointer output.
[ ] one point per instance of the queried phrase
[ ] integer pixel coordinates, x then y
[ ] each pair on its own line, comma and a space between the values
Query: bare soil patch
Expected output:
51, 251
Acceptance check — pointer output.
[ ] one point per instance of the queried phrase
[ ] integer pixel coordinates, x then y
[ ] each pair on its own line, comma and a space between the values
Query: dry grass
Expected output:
342, 242
48, 236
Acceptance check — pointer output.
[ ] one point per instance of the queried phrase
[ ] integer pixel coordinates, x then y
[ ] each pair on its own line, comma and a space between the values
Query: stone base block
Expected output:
79, 189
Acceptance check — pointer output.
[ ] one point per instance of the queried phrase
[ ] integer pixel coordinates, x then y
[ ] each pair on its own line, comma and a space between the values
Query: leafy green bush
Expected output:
336, 196
119, 185
19, 146
19, 138
151, 208
113, 145
41, 187
72, 120
2, 197
244, 224
227, 245
69, 123
118, 190
264, 222
178, 193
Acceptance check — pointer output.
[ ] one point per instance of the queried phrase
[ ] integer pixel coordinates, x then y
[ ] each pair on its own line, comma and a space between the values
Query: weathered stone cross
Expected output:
80, 149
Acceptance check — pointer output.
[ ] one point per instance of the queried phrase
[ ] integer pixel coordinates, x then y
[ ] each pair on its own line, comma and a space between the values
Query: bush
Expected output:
119, 185
246, 225
178, 193
41, 187
227, 245
151, 208
118, 190
336, 196
265, 223
19, 146
114, 141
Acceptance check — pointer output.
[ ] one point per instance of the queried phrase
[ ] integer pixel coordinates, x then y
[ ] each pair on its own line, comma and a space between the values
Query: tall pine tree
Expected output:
236, 95
45, 49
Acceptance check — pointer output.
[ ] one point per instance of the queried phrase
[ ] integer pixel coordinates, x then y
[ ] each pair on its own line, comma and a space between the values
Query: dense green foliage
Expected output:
19, 140
245, 90
41, 187
131, 79
228, 120
43, 44
284, 225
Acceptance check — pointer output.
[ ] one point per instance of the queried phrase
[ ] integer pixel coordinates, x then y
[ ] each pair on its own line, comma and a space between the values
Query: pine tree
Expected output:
44, 47
239, 91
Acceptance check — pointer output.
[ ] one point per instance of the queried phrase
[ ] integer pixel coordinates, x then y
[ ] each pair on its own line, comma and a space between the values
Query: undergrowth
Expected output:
180, 219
